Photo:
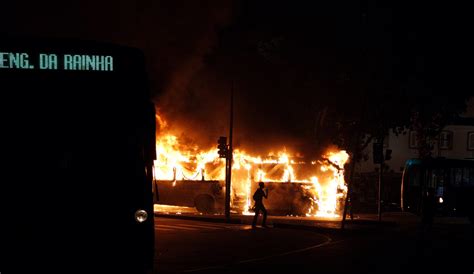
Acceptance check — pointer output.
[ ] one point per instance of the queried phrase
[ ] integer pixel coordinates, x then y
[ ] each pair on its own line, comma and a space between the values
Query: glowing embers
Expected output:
179, 162
329, 195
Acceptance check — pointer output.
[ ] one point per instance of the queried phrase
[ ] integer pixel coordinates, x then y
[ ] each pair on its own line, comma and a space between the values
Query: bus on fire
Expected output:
296, 187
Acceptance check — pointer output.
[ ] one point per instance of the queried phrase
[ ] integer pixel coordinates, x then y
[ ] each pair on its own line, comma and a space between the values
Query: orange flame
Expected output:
326, 184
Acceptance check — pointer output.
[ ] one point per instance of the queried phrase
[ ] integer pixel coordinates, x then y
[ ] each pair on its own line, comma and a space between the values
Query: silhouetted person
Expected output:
427, 215
428, 209
258, 198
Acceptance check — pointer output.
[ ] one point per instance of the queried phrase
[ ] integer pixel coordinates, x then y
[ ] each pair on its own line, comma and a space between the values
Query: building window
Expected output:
412, 139
456, 176
445, 140
470, 140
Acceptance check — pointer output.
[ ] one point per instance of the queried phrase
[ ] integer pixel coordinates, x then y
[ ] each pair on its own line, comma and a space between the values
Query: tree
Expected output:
331, 72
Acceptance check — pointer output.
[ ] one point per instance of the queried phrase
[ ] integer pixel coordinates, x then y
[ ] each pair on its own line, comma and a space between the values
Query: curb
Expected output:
351, 226
371, 222
307, 227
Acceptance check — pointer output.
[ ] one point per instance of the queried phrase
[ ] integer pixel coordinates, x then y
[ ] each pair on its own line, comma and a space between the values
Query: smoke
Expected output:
190, 90
186, 95
175, 37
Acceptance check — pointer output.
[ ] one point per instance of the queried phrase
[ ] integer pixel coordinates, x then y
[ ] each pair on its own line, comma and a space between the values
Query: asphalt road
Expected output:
186, 246
194, 246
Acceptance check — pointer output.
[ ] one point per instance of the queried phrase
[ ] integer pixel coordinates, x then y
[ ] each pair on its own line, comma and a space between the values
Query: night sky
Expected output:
284, 59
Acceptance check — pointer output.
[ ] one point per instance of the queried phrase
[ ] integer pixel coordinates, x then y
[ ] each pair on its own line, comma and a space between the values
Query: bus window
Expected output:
438, 181
471, 177
431, 178
415, 176
456, 176
465, 177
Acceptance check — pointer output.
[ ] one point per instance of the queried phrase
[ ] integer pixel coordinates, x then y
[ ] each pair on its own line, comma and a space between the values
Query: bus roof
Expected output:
440, 162
24, 42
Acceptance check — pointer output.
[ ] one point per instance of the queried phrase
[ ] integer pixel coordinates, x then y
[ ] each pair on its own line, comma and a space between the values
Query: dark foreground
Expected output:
187, 246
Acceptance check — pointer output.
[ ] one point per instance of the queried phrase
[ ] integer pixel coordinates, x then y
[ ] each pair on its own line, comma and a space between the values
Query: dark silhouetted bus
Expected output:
206, 196
78, 144
451, 181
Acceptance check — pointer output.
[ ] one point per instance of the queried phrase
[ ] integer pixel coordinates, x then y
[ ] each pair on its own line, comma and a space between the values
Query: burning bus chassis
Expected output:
208, 197
287, 195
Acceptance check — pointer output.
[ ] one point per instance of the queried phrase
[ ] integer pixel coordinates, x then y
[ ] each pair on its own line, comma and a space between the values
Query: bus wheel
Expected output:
300, 207
204, 203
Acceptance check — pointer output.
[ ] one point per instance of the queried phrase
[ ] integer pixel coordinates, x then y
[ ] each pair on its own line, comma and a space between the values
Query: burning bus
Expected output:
193, 177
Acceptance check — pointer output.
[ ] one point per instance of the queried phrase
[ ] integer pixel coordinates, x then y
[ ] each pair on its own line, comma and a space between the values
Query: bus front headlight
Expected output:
141, 216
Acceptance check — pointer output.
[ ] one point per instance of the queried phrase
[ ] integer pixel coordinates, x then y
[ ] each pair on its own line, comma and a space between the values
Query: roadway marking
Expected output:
328, 241
202, 226
195, 227
161, 229
198, 226
175, 227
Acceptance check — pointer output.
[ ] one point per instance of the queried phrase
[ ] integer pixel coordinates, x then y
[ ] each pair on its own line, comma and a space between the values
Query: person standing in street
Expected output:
258, 198
428, 211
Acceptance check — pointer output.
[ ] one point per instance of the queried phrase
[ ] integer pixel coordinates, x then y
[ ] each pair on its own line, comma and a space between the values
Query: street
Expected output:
188, 246
193, 246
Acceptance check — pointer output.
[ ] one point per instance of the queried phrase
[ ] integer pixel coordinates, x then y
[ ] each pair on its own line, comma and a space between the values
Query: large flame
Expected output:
325, 181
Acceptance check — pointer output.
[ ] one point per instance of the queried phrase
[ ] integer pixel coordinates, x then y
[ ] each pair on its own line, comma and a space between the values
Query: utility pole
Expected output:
379, 206
355, 157
380, 192
378, 158
349, 197
229, 157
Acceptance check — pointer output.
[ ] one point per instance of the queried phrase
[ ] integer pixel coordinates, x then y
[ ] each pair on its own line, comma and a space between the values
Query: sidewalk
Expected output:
360, 221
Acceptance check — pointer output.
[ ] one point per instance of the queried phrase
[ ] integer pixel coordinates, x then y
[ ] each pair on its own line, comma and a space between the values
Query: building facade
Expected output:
456, 141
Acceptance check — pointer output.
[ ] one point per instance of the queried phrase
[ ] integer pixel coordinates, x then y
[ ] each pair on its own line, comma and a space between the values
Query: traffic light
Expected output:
222, 146
378, 153
388, 154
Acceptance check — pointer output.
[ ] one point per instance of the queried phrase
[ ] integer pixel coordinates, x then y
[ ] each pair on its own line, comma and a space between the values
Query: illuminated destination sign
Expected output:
50, 61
